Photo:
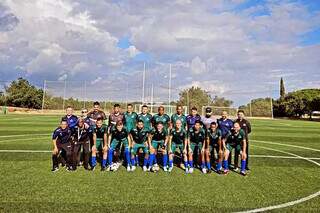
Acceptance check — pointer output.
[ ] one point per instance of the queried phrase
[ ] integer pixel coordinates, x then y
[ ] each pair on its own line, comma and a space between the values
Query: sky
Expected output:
238, 49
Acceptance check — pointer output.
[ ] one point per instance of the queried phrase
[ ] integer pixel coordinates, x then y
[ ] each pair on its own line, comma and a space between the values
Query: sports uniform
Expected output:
181, 117
146, 118
130, 120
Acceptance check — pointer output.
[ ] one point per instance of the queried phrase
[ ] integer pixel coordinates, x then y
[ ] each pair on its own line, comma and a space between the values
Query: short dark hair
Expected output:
241, 110
69, 107
99, 119
161, 107
213, 123
144, 106
116, 105
96, 103
197, 122
179, 105
129, 105
140, 121
64, 120
159, 123
194, 108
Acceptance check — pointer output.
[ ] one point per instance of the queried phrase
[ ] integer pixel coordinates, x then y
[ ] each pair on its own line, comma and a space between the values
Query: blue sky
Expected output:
228, 47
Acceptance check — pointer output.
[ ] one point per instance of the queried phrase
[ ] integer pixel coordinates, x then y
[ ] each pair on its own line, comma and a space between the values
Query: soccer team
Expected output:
191, 141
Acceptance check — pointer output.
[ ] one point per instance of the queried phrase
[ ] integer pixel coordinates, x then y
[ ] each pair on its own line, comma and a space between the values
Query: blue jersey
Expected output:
225, 126
62, 135
72, 120
191, 120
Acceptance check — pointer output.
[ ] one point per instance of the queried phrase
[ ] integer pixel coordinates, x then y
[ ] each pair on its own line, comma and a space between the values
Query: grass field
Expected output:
285, 167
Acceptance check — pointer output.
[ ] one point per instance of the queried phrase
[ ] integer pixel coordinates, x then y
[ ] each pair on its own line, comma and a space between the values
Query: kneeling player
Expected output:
118, 137
81, 134
61, 140
139, 140
196, 142
235, 140
177, 139
214, 144
158, 137
99, 144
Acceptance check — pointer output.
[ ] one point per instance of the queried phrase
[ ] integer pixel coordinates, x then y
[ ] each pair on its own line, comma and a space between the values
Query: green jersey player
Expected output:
161, 117
145, 117
130, 117
179, 116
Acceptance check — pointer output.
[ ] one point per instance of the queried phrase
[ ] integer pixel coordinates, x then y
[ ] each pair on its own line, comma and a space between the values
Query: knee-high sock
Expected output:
243, 165
165, 160
93, 161
55, 161
145, 161
191, 163
127, 154
209, 165
219, 166
225, 164
110, 156
151, 159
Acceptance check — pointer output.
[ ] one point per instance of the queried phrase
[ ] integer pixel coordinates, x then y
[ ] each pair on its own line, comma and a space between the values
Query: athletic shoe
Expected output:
182, 166
226, 171
69, 169
103, 168
128, 169
145, 169
133, 168
219, 171
236, 169
165, 169
170, 169
204, 170
93, 168
191, 170
55, 169
243, 173
108, 168
187, 170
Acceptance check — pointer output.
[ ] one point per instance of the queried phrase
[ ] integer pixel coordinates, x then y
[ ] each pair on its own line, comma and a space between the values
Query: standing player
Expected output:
179, 116
214, 144
178, 139
70, 118
196, 142
193, 117
235, 139
207, 119
130, 117
246, 127
61, 140
81, 134
158, 137
139, 140
118, 137
161, 117
115, 116
99, 144
145, 117
96, 113
225, 125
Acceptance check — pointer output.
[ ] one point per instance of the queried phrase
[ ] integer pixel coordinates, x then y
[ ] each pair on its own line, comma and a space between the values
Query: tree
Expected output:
20, 93
195, 96
282, 89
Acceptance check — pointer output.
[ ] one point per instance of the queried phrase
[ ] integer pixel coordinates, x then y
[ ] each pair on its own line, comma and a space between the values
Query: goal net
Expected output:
153, 108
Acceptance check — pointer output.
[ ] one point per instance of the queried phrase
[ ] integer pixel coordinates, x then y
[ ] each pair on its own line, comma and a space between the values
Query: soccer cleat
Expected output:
243, 173
133, 168
226, 171
219, 171
55, 169
103, 168
187, 170
69, 169
170, 169
236, 169
191, 170
204, 170
108, 168
128, 169
145, 169
182, 166
165, 169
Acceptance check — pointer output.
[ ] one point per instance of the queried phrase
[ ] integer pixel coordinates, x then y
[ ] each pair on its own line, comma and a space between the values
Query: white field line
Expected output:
24, 139
291, 203
13, 136
288, 145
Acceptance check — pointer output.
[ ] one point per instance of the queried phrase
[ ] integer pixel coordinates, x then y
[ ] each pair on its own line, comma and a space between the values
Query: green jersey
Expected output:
178, 136
165, 119
139, 136
146, 118
99, 132
159, 136
197, 136
131, 120
236, 138
214, 136
181, 117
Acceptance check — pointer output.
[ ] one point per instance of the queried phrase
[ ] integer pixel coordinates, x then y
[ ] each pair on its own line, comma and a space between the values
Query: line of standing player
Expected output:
191, 141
